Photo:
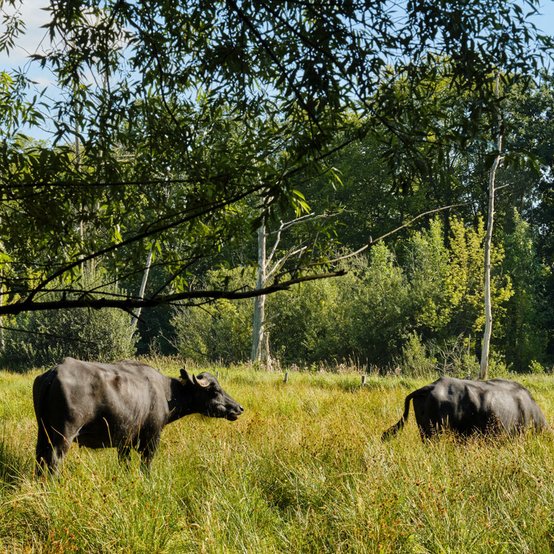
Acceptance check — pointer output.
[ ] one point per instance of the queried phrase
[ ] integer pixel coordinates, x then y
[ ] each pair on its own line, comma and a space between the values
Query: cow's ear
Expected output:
185, 376
201, 381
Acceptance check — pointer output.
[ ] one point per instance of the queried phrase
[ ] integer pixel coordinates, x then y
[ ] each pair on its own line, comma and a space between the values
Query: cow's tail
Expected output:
391, 431
41, 388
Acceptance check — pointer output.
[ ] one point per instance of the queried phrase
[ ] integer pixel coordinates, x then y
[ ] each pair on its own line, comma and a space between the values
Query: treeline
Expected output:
398, 205
412, 306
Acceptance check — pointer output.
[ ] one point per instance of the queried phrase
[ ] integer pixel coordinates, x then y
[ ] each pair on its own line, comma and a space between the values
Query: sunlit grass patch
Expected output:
302, 470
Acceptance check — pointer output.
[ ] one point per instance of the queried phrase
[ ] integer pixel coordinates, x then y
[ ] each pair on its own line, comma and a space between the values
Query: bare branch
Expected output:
288, 224
128, 304
372, 241
281, 262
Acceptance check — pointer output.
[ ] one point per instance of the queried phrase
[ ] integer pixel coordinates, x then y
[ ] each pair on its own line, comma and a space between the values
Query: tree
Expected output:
216, 103
533, 132
497, 160
426, 261
271, 264
528, 312
260, 339
466, 280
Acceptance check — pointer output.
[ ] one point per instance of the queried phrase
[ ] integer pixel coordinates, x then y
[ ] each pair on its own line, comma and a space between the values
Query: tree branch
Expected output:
196, 212
128, 304
372, 241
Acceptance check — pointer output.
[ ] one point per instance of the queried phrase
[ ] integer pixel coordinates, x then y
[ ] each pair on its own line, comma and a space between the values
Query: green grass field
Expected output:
303, 470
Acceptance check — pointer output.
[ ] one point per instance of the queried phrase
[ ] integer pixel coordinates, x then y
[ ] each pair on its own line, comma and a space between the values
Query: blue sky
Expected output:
545, 20
36, 38
35, 16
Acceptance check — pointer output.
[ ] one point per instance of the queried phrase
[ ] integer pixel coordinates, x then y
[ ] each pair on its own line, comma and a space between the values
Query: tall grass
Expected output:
303, 470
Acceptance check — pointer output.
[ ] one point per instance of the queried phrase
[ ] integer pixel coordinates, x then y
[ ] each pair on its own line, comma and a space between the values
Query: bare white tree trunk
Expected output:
258, 321
142, 290
484, 369
268, 266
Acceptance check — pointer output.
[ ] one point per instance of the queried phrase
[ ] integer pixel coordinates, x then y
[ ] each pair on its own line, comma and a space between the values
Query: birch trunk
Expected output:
142, 290
485, 350
258, 320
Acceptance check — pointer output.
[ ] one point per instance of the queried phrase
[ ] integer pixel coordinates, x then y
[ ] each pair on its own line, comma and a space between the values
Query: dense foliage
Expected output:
183, 127
45, 338
412, 308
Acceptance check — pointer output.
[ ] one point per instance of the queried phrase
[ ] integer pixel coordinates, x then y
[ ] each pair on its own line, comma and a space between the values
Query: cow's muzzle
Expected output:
233, 414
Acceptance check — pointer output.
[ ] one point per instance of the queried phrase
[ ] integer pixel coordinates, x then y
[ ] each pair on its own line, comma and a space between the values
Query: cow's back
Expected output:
513, 406
455, 404
101, 404
133, 383
466, 406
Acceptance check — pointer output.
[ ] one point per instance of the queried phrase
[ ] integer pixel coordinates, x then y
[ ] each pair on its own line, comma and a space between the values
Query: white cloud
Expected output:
33, 40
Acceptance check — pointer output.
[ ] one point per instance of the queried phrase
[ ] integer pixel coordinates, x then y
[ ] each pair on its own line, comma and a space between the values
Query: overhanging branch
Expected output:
151, 231
372, 241
128, 304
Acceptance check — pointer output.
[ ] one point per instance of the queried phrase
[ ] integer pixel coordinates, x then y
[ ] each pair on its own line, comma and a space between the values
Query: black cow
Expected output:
124, 405
467, 407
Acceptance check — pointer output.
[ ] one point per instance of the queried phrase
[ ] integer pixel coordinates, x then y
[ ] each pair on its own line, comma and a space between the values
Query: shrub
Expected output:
45, 338
536, 367
219, 331
415, 360
455, 356
307, 324
378, 308
361, 315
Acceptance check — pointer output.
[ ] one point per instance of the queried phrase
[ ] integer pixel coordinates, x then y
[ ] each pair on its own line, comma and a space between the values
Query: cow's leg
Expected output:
427, 431
147, 448
44, 452
54, 440
424, 424
52, 446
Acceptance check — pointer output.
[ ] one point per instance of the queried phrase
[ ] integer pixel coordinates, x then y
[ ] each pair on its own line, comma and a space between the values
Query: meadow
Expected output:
302, 470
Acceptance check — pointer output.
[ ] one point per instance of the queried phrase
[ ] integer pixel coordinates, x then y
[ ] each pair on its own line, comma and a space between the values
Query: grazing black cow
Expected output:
124, 405
467, 407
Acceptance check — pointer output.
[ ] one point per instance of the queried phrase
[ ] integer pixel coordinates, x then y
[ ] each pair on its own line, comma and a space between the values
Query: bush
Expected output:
45, 338
219, 331
536, 367
418, 309
455, 356
415, 360
306, 325
360, 316
378, 309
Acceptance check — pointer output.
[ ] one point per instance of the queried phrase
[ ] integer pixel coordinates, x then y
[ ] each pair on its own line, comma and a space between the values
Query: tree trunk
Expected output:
484, 369
259, 346
142, 290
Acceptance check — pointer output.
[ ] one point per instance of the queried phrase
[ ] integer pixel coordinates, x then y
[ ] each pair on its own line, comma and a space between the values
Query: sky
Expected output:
32, 42
35, 16
545, 21
36, 39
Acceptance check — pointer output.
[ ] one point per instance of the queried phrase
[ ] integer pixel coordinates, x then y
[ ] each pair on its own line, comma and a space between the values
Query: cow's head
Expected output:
208, 398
